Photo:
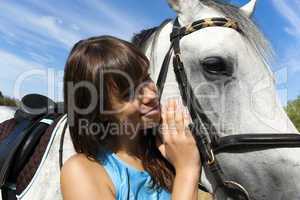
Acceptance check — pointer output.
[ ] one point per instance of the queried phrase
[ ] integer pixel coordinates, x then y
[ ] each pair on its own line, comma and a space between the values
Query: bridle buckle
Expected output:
211, 158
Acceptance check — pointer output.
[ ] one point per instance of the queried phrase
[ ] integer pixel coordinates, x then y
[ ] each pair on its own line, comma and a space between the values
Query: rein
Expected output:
205, 133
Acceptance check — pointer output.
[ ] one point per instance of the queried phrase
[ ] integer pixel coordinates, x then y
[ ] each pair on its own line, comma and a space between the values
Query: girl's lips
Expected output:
153, 111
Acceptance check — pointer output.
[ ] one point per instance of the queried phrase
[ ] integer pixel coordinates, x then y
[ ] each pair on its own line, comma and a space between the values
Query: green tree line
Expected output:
7, 101
293, 111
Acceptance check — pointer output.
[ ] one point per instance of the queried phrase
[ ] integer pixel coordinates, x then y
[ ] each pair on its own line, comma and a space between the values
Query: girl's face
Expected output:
143, 111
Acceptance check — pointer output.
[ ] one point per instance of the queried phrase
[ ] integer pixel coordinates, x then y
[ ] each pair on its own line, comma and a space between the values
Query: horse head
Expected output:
230, 74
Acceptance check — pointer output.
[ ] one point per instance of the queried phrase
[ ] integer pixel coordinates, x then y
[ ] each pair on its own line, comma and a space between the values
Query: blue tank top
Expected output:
130, 183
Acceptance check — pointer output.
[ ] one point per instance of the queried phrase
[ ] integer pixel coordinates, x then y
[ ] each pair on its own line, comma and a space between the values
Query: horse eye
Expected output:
215, 65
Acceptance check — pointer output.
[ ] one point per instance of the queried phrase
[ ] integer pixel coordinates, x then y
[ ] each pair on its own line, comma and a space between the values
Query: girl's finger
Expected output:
171, 108
164, 129
161, 147
186, 121
164, 116
179, 120
186, 118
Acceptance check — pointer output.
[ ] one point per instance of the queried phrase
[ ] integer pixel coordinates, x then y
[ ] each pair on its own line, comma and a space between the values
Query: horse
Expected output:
6, 112
243, 101
240, 100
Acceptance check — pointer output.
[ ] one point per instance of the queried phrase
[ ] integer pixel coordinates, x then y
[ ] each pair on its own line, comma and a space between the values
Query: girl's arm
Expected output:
186, 185
82, 178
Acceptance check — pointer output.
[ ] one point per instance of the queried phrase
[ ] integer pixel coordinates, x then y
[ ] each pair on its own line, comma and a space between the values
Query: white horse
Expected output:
6, 112
245, 104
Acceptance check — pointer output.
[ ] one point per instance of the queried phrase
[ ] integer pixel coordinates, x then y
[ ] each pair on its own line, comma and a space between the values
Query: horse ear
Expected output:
182, 6
174, 4
249, 8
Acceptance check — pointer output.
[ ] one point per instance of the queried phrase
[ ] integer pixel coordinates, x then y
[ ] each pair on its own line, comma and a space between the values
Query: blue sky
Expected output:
36, 36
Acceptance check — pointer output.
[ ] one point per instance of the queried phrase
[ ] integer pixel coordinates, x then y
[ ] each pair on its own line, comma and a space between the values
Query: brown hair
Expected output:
87, 62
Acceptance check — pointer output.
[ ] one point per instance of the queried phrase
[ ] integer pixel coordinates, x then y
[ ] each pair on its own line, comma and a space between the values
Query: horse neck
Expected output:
6, 113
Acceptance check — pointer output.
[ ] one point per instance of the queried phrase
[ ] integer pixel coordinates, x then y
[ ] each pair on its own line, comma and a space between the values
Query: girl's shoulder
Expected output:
90, 174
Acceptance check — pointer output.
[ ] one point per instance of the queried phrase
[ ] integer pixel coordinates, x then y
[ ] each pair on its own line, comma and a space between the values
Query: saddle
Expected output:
24, 136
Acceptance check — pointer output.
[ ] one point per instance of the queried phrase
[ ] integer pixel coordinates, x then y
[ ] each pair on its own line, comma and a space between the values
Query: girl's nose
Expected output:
150, 93
152, 86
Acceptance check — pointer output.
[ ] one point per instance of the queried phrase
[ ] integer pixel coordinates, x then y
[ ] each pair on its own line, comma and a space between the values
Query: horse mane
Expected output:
140, 39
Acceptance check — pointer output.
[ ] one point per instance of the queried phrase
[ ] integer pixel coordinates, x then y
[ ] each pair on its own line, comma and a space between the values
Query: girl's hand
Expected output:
177, 143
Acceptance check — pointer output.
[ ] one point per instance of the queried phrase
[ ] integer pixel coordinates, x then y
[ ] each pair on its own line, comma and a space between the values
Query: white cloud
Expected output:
13, 68
14, 65
115, 16
42, 59
294, 64
35, 27
290, 10
93, 17
52, 27
37, 34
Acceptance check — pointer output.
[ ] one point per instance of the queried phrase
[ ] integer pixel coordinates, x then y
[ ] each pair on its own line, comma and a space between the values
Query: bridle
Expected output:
208, 141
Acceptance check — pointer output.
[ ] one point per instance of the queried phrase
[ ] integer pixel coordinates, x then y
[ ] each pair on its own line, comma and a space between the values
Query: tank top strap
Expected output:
114, 170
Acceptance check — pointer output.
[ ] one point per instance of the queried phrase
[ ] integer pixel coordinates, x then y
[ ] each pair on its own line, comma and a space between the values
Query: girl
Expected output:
114, 113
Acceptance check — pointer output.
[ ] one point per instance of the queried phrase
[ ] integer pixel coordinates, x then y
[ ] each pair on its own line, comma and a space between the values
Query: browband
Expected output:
205, 23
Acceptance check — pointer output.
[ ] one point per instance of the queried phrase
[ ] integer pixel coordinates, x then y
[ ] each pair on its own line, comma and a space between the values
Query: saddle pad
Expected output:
32, 165
6, 128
